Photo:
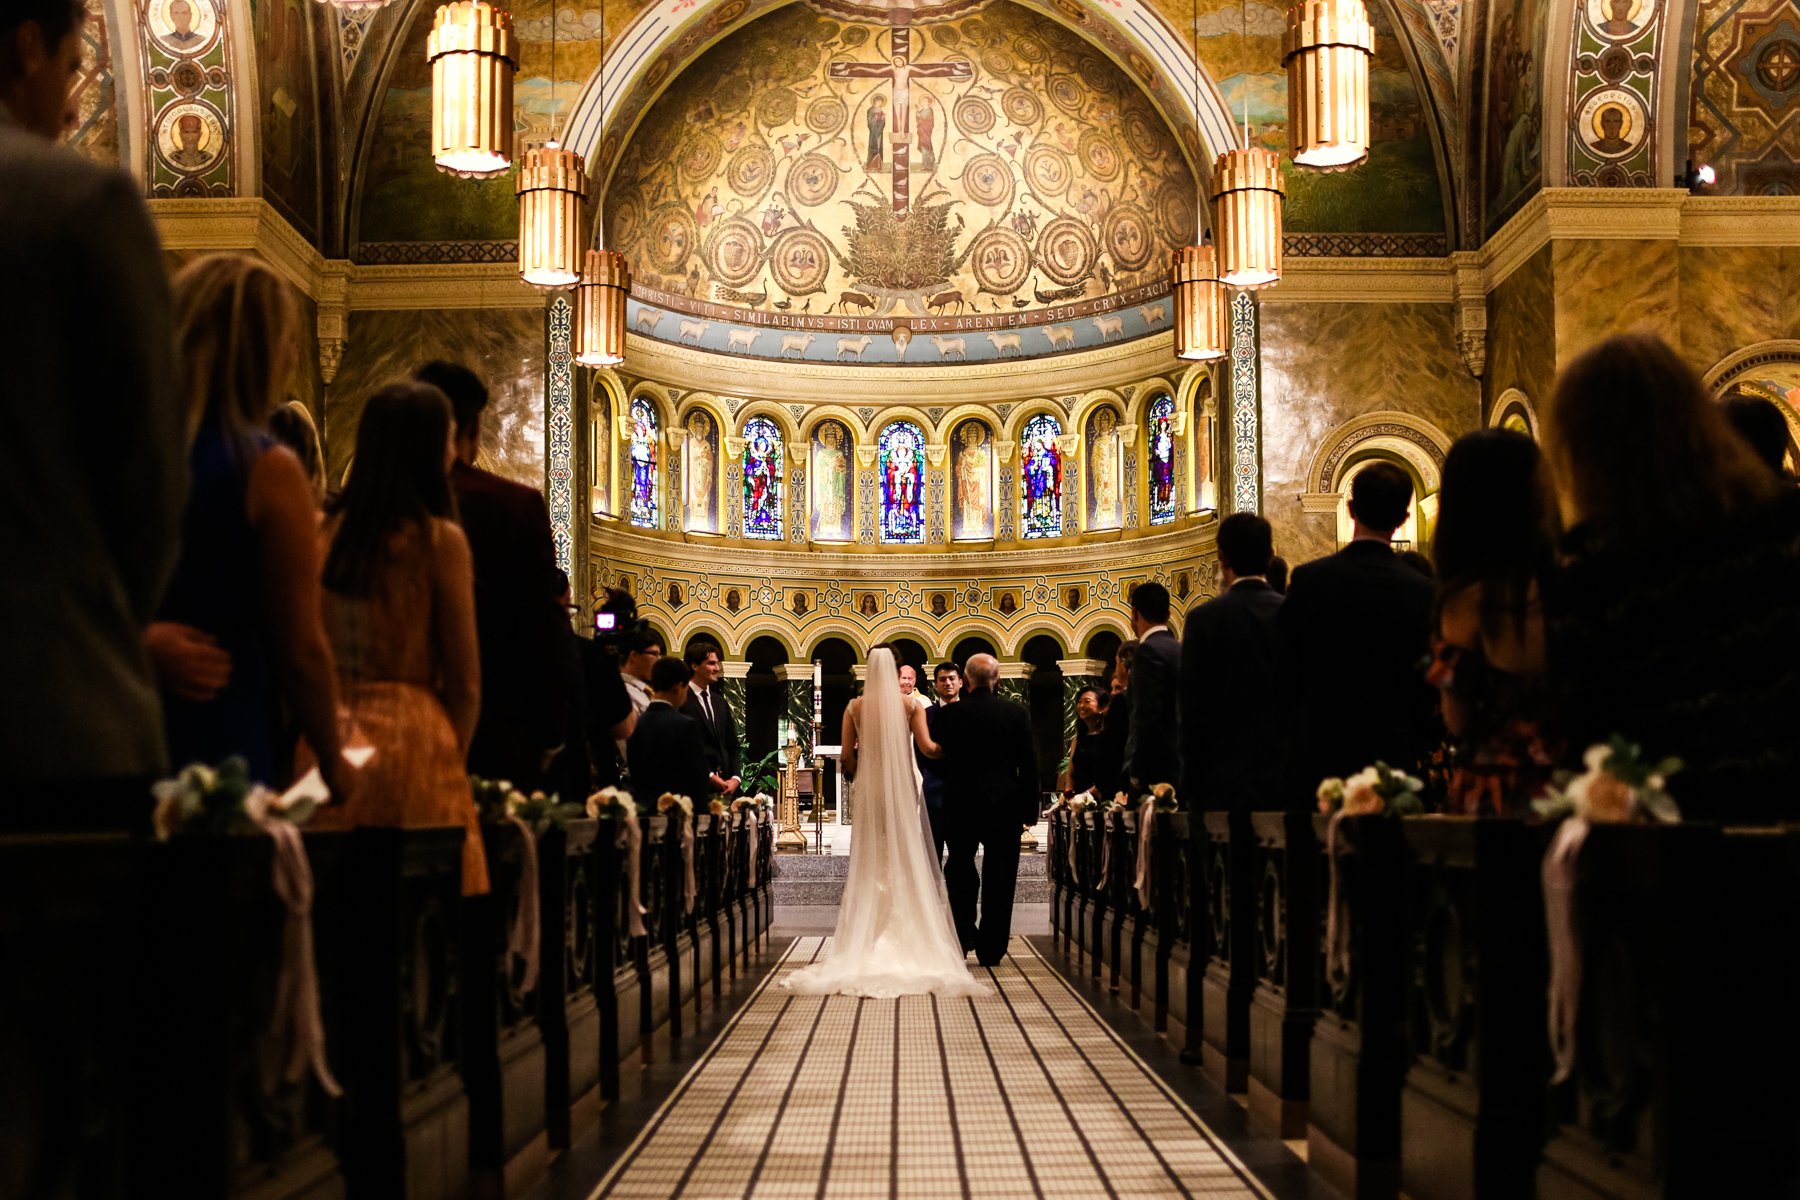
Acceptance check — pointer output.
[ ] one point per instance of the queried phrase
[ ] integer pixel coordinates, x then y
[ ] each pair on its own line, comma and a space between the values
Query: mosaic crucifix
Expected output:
901, 70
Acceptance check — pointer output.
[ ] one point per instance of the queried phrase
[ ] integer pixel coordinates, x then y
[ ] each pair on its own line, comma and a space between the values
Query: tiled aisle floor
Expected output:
1025, 1092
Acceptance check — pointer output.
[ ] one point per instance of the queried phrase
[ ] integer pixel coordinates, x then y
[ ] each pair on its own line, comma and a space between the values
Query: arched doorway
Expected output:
968, 647
764, 696
1045, 698
911, 650
837, 684
1104, 646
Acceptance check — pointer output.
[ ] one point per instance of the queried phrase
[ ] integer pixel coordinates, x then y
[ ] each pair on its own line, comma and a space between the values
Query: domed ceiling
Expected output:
976, 182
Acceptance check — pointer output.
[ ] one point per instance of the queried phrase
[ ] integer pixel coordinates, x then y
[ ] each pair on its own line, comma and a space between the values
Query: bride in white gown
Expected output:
894, 933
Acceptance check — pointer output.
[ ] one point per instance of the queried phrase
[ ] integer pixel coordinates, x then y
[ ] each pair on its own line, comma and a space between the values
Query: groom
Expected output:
991, 792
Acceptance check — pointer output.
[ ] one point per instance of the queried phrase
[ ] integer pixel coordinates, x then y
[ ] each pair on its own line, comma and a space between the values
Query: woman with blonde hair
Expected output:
1676, 617
240, 628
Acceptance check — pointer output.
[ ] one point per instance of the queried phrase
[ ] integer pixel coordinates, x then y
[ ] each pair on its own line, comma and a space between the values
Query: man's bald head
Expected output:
982, 671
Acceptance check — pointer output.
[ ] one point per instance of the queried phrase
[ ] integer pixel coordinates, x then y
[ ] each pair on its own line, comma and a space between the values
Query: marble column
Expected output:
1078, 673
1015, 682
797, 702
736, 694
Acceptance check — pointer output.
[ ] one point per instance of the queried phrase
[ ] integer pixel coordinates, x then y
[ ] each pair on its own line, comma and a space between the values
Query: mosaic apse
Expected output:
982, 186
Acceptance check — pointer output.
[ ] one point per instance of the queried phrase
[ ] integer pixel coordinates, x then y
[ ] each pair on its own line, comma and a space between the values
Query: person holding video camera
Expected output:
616, 667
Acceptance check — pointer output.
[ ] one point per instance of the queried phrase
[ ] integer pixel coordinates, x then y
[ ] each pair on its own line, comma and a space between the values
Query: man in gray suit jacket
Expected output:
95, 475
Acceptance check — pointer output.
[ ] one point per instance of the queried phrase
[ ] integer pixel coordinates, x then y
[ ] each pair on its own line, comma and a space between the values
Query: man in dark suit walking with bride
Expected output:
991, 793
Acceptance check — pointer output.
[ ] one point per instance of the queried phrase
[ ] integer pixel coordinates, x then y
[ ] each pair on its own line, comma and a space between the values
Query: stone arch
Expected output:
1058, 631
1514, 404
1416, 441
943, 643
826, 628
771, 626
1741, 365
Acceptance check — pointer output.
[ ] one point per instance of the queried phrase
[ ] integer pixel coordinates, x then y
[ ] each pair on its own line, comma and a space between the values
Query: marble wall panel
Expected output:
1323, 364
1736, 296
504, 346
1521, 345
1608, 287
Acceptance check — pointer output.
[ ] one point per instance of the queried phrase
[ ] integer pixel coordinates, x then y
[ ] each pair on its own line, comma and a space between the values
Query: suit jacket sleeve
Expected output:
731, 750
1193, 714
145, 477
1151, 739
537, 574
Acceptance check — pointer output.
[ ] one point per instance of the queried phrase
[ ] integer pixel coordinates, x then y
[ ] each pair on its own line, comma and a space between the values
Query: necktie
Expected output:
706, 703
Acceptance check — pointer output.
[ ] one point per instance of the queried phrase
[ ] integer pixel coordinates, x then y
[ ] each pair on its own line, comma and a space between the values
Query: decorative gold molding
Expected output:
1362, 281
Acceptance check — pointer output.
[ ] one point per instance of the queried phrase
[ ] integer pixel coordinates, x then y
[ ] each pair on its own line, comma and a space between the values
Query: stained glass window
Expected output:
902, 468
1162, 460
762, 479
1040, 477
644, 481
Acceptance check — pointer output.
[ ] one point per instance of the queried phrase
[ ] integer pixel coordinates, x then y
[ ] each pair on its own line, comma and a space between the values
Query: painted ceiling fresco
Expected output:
1743, 118
1003, 166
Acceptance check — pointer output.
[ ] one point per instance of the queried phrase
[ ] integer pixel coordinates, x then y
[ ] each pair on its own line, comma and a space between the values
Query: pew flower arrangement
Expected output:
222, 799
669, 800
611, 802
1373, 791
499, 800
1619, 785
1162, 798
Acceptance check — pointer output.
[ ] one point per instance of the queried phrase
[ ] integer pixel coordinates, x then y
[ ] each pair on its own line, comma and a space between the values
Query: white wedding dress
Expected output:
894, 933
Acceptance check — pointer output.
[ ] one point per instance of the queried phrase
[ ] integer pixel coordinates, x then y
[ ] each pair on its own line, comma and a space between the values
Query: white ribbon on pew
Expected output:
1565, 941
1105, 828
1146, 834
634, 846
688, 889
296, 1017
752, 827
523, 940
1074, 871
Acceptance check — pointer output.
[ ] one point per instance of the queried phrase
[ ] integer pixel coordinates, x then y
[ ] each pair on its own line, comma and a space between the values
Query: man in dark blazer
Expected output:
1355, 636
666, 751
1231, 723
706, 704
519, 615
991, 794
96, 465
1153, 747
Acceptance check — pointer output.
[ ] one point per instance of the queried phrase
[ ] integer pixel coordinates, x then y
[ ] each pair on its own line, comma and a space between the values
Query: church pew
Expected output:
708, 927
765, 887
1283, 1005
1358, 1047
1472, 1109
1682, 1075
1090, 835
68, 922
569, 966
503, 1066
1062, 894
406, 1129
1229, 976
735, 907
1168, 948
1120, 942
617, 987
655, 969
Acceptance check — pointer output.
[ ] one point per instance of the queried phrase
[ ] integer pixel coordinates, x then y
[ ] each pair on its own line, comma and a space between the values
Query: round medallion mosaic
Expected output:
973, 115
800, 260
1021, 107
701, 157
1048, 170
1128, 236
751, 169
825, 117
1100, 155
989, 180
812, 180
1000, 260
734, 252
1066, 250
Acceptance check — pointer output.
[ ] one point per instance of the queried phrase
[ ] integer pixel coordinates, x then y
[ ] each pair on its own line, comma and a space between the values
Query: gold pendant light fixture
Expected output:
1201, 325
1201, 329
606, 279
1247, 196
552, 184
600, 309
1326, 49
473, 57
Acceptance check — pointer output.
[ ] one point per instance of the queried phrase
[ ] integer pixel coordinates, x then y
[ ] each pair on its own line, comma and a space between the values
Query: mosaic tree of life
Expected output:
643, 464
1161, 434
902, 483
762, 480
1040, 477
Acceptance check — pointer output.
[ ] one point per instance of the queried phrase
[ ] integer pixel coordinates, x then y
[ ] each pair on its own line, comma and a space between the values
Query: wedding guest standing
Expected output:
400, 606
1231, 720
706, 704
1116, 727
1152, 747
1084, 754
946, 684
1676, 620
1355, 635
518, 599
96, 467
1494, 546
667, 750
1760, 424
240, 628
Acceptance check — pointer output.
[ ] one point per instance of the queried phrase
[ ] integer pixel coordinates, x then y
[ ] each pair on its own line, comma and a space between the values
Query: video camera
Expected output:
616, 622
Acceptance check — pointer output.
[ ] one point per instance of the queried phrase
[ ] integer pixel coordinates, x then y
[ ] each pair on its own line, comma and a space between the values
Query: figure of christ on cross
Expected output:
901, 70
